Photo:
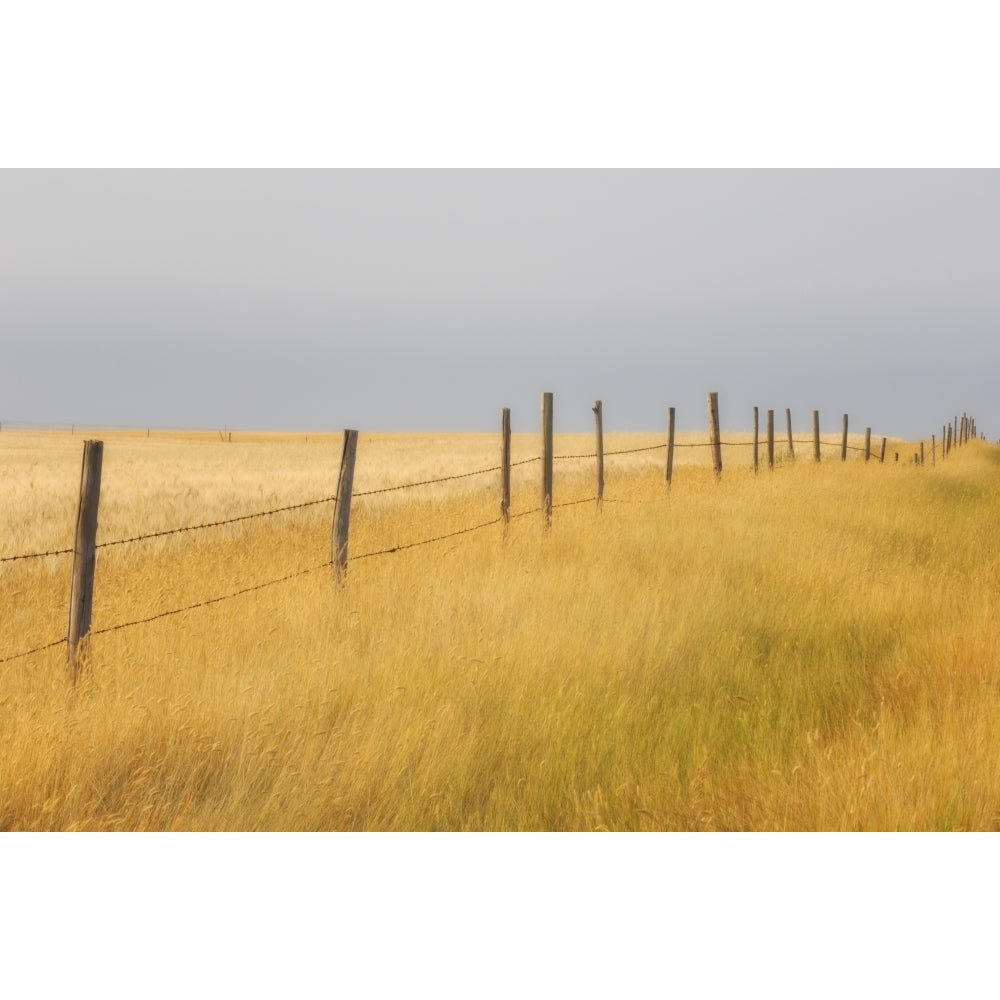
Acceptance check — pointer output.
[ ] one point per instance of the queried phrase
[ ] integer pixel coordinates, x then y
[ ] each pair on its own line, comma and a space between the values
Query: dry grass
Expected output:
806, 649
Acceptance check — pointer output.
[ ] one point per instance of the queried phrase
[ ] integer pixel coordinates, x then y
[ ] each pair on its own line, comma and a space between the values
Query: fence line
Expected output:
951, 438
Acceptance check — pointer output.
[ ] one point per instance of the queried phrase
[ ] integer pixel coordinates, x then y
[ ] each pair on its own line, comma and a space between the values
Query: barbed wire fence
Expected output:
952, 435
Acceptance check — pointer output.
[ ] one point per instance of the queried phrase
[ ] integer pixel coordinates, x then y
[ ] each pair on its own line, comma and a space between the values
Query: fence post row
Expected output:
81, 598
547, 458
670, 445
342, 506
505, 465
600, 451
713, 430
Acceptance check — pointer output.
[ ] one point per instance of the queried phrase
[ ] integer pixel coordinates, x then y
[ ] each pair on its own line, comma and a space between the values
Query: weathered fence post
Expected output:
770, 439
868, 443
756, 440
843, 442
791, 443
547, 457
81, 597
815, 435
505, 465
600, 451
921, 452
881, 457
670, 446
713, 430
342, 506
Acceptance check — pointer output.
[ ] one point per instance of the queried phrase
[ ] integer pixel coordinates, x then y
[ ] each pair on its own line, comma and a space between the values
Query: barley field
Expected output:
812, 647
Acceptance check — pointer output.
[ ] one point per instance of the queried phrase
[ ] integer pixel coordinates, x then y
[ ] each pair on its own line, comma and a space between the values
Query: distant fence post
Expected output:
713, 430
81, 598
868, 443
921, 452
505, 465
933, 452
788, 423
670, 445
756, 437
770, 439
881, 457
547, 457
342, 506
815, 435
600, 451
843, 442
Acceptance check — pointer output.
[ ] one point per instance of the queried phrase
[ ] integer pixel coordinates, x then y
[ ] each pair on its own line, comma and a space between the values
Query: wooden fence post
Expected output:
81, 597
815, 435
547, 458
843, 442
505, 465
670, 445
770, 439
921, 452
600, 451
756, 439
791, 443
713, 430
868, 443
881, 457
342, 507
933, 452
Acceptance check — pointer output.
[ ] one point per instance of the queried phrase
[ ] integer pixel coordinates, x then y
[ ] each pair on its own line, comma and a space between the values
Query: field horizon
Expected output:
804, 648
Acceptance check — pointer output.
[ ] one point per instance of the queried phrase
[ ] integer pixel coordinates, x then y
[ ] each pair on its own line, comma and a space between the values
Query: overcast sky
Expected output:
430, 299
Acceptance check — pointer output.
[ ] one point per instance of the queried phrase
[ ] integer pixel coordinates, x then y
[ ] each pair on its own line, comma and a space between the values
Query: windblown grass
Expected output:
812, 648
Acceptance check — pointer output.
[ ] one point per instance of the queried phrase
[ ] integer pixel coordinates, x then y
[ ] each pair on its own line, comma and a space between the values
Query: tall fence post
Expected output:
868, 443
81, 597
547, 457
770, 439
756, 440
815, 435
598, 412
713, 430
843, 442
505, 465
670, 446
342, 507
921, 452
788, 424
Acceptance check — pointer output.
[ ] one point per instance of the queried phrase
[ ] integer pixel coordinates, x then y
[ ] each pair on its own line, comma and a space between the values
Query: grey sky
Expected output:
425, 300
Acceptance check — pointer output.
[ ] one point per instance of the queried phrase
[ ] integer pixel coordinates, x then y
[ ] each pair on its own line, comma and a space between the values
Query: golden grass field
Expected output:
809, 648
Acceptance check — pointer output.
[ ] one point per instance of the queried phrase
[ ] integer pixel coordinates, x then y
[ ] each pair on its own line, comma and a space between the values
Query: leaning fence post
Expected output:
816, 435
713, 430
342, 506
505, 465
770, 439
600, 452
81, 598
843, 442
547, 457
791, 443
756, 438
670, 445
868, 443
881, 457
